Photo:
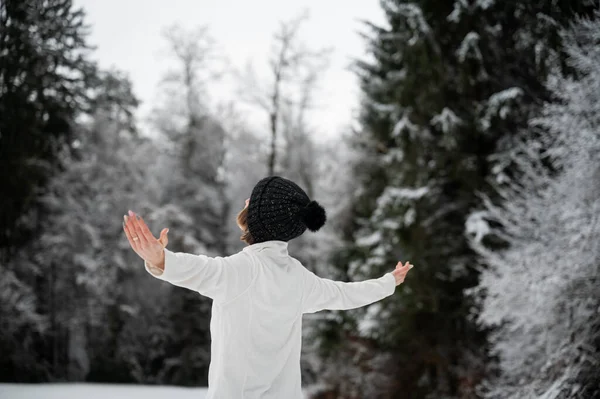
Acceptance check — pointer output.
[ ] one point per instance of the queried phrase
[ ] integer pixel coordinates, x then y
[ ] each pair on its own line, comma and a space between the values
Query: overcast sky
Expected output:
127, 34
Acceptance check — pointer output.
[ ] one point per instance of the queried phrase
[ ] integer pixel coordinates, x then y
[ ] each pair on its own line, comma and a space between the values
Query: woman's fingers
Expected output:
403, 269
406, 265
137, 229
131, 228
137, 237
145, 230
134, 244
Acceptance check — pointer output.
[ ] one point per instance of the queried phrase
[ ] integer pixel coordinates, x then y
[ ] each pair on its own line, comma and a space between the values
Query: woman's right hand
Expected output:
143, 242
400, 272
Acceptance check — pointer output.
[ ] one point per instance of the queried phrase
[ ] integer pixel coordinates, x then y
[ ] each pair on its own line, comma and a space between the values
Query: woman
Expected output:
260, 293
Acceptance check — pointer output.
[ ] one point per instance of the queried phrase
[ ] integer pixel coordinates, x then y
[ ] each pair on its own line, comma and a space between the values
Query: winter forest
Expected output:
474, 154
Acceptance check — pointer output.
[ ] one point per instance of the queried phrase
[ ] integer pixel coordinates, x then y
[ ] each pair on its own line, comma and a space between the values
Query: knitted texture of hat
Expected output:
279, 209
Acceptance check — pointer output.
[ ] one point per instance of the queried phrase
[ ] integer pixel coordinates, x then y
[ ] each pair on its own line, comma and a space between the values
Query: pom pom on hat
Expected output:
313, 216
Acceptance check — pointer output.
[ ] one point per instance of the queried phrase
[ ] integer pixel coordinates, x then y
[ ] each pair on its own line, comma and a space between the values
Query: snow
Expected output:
394, 155
485, 4
371, 239
406, 192
369, 322
415, 21
446, 120
383, 109
410, 216
97, 391
477, 226
394, 195
469, 44
397, 76
354, 266
499, 104
460, 5
454, 16
503, 96
101, 391
402, 125
390, 224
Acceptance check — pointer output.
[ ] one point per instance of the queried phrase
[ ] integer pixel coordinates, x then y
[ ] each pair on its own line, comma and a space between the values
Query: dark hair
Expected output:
242, 219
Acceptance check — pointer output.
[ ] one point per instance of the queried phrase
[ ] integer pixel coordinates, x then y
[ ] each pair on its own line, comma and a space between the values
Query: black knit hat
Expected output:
280, 210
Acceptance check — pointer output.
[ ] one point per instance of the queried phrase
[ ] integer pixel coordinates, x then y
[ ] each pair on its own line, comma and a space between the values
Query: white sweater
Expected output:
259, 295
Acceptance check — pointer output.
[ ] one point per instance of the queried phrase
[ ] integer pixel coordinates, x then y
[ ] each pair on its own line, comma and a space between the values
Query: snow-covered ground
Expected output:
101, 391
97, 391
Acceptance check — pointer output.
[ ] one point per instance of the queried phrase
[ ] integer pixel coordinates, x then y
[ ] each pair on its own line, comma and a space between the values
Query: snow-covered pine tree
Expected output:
39, 57
44, 72
75, 269
542, 290
114, 169
84, 258
23, 323
194, 199
444, 83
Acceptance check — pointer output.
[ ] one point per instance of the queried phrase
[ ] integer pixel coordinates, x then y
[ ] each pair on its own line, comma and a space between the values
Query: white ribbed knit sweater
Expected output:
259, 295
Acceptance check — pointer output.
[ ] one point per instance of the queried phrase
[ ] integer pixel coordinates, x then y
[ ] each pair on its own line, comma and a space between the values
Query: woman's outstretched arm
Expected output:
219, 278
321, 293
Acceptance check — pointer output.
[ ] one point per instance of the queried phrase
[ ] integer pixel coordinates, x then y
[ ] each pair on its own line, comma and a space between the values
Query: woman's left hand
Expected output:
400, 272
143, 242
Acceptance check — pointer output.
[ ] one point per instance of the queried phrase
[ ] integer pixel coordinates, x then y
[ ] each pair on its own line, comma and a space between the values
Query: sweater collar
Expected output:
277, 246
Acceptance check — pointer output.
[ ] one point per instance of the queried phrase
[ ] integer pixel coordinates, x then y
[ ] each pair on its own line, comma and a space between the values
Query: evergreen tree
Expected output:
22, 328
79, 278
542, 289
44, 71
44, 75
113, 170
194, 190
447, 85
